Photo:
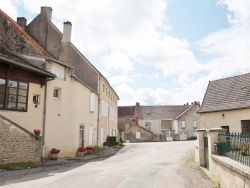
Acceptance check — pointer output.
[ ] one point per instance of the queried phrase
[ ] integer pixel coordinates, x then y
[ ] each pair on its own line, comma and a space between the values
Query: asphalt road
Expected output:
142, 165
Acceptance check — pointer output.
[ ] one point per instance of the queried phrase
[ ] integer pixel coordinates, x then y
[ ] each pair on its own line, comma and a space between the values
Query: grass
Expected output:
19, 166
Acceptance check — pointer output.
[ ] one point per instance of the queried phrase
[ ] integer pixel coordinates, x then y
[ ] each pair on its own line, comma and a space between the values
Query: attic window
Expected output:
148, 112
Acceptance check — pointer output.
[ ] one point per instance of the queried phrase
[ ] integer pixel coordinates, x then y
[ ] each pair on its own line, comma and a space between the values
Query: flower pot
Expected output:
53, 156
37, 133
105, 147
80, 153
90, 152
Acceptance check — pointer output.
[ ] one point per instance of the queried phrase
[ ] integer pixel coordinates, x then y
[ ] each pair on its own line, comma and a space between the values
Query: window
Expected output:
183, 124
195, 124
148, 125
103, 88
109, 94
126, 126
57, 93
13, 95
106, 91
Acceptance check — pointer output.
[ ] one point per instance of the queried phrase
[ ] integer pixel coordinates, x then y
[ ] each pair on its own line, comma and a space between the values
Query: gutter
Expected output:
44, 116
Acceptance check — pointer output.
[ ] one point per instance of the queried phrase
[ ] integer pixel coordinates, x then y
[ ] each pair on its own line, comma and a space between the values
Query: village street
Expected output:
152, 165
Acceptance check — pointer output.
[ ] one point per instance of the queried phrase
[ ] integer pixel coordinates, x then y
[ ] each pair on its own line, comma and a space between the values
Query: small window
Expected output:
106, 91
109, 94
195, 124
183, 124
103, 88
57, 93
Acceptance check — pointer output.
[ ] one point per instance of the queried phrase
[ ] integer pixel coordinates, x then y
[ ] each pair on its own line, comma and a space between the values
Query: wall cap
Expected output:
233, 165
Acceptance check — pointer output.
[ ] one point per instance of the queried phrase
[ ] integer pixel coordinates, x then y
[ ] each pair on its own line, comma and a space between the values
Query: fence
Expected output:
239, 146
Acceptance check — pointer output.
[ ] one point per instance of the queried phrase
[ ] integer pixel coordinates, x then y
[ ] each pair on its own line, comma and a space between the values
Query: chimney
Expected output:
136, 120
67, 32
47, 12
21, 21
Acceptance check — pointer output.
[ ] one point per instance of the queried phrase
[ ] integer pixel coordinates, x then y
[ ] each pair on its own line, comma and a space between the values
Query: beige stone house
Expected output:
226, 104
70, 110
181, 121
60, 47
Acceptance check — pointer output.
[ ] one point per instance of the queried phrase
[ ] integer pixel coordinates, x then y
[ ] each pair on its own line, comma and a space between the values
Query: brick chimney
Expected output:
47, 12
67, 32
136, 120
21, 21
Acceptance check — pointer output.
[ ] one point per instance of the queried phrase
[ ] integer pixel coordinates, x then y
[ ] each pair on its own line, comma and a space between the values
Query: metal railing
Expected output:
239, 146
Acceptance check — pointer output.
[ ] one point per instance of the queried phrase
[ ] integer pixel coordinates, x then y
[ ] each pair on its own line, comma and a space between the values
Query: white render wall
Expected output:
231, 118
33, 118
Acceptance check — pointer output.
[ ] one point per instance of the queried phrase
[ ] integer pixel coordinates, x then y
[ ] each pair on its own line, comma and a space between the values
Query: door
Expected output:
206, 151
183, 136
169, 135
81, 136
101, 136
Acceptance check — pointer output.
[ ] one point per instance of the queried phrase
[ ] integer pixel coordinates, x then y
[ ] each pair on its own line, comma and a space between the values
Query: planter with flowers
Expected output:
37, 132
89, 149
54, 153
81, 152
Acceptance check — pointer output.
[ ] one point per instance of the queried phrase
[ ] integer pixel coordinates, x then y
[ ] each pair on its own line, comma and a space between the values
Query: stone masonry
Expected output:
17, 144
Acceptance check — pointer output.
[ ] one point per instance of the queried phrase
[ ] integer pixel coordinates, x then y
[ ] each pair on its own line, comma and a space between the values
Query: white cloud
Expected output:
9, 8
118, 61
239, 10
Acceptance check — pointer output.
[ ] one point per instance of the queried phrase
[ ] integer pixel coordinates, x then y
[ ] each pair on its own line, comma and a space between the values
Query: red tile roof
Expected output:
26, 35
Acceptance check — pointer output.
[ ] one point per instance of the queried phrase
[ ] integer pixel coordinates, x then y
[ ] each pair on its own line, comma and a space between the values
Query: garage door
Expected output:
183, 136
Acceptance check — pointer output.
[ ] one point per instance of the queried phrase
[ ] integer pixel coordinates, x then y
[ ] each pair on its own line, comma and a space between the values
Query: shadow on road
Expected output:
50, 168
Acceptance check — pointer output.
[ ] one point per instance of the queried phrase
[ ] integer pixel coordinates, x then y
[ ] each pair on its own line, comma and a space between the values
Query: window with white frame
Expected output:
195, 124
183, 124
36, 99
57, 93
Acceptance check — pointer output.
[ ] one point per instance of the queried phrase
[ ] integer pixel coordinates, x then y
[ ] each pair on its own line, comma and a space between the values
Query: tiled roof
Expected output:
140, 127
227, 94
162, 112
25, 34
126, 111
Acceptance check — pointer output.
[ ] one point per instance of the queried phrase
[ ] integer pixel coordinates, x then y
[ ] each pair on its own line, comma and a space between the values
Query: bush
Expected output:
192, 138
105, 143
97, 148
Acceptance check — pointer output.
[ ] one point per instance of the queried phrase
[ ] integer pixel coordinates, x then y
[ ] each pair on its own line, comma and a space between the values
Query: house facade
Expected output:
60, 47
226, 104
180, 121
61, 102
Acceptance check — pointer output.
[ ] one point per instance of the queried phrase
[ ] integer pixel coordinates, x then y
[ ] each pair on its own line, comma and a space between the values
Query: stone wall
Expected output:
223, 171
146, 136
17, 144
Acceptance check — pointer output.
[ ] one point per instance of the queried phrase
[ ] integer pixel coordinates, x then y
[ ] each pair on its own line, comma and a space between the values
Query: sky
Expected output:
155, 52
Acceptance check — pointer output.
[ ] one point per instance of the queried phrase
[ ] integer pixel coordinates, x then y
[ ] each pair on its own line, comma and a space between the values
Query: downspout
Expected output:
44, 115
98, 110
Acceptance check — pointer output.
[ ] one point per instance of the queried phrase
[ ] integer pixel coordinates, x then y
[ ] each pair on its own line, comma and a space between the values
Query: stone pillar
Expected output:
212, 136
199, 147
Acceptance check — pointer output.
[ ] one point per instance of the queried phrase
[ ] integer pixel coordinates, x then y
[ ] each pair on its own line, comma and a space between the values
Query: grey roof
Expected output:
227, 94
163, 112
126, 111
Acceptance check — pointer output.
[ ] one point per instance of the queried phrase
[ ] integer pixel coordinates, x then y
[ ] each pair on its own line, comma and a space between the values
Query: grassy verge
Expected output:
19, 166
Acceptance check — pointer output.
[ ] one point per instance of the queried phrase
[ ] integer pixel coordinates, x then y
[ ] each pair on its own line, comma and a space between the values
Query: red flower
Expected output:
89, 148
54, 151
82, 149
37, 130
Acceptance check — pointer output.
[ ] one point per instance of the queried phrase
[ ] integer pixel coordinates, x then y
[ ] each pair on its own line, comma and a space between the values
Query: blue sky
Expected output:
161, 52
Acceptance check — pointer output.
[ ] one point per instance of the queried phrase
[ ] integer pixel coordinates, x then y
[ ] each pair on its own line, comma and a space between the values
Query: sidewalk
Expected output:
67, 160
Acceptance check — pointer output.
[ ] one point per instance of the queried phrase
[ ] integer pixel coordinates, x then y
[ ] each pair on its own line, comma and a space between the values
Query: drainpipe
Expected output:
44, 115
98, 110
